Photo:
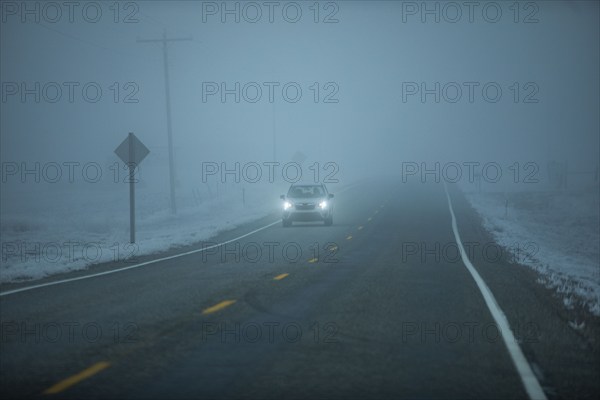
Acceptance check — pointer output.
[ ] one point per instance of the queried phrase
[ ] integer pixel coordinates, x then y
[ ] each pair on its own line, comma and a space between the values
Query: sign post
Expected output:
131, 151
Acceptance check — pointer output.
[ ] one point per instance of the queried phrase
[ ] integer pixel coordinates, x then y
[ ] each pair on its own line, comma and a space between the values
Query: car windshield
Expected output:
310, 192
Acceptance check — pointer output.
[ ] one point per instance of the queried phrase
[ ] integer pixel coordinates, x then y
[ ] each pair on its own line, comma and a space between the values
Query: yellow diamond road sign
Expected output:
131, 150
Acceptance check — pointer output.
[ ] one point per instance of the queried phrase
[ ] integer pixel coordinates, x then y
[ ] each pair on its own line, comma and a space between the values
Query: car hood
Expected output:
310, 200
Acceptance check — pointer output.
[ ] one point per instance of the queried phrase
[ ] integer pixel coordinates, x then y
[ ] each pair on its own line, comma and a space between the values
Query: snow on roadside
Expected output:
563, 226
73, 232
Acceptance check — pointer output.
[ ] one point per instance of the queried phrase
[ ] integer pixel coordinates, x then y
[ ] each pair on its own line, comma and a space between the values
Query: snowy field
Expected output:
70, 228
563, 230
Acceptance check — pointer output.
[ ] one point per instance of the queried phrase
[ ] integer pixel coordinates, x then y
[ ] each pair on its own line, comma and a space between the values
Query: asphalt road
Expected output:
376, 306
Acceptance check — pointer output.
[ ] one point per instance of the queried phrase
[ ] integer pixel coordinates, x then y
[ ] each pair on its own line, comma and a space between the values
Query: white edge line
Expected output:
24, 289
532, 386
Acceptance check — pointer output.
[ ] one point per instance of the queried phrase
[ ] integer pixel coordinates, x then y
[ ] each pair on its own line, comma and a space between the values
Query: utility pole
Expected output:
164, 42
274, 136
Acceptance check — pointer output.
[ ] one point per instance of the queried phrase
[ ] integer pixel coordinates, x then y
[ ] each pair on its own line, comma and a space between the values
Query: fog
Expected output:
366, 57
444, 241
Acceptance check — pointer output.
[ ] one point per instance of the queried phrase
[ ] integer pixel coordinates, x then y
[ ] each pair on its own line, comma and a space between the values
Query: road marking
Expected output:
349, 237
532, 386
360, 228
138, 265
369, 219
313, 260
376, 211
333, 248
73, 380
217, 307
280, 277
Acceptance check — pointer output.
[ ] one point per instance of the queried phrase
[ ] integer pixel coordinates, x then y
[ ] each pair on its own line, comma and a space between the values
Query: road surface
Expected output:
376, 306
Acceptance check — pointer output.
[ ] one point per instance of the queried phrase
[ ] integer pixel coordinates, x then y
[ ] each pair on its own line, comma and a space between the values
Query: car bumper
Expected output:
308, 215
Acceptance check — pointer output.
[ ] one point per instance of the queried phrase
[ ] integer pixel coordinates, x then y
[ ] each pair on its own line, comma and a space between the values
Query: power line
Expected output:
88, 42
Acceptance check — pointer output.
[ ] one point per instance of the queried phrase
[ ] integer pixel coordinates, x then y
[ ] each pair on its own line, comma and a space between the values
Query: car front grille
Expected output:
305, 206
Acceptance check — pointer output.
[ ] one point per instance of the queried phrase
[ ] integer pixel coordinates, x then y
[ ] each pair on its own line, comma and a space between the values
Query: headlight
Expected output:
323, 205
287, 205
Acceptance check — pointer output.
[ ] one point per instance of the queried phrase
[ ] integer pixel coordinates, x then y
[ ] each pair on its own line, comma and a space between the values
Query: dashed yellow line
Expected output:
313, 260
360, 228
280, 277
349, 237
218, 306
73, 380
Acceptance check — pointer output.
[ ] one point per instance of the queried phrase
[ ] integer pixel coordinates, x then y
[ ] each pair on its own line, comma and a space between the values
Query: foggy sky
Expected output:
368, 54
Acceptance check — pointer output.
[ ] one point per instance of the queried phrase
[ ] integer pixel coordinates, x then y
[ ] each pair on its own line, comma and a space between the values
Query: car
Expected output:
307, 202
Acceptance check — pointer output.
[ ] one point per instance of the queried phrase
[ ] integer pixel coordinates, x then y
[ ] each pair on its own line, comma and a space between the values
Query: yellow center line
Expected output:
313, 260
218, 306
280, 277
349, 237
72, 380
360, 227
